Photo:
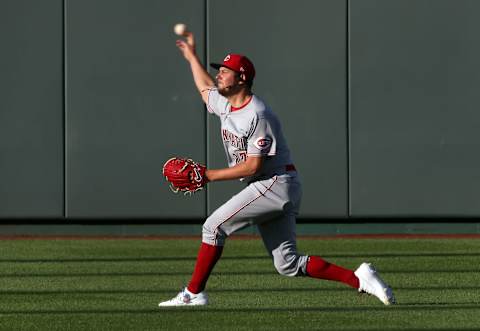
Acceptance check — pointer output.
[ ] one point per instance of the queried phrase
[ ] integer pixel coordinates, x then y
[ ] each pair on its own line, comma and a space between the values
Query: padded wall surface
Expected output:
31, 109
378, 102
131, 105
414, 108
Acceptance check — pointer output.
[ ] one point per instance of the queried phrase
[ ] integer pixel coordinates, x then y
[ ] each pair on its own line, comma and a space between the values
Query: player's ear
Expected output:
242, 79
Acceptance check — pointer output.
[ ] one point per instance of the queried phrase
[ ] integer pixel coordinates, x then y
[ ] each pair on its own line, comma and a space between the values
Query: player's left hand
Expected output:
184, 175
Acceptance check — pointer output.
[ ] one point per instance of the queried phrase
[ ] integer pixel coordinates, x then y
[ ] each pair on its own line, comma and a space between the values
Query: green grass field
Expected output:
117, 284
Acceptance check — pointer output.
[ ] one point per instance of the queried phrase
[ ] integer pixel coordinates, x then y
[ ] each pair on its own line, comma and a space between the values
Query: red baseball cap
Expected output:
238, 63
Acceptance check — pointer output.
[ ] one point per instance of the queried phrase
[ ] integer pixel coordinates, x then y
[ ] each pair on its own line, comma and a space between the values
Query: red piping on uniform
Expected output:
232, 108
210, 109
235, 213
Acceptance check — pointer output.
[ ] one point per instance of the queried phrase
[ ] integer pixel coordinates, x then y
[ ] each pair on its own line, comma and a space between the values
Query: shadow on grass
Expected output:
253, 310
127, 259
131, 274
233, 290
219, 273
249, 257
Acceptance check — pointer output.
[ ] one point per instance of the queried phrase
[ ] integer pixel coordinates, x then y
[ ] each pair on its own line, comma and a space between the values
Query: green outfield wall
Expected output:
378, 101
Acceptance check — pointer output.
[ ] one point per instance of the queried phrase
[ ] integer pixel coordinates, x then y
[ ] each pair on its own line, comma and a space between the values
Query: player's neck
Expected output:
239, 99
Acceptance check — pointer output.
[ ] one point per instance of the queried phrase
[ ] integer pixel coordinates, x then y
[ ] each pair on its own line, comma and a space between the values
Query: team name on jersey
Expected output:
235, 141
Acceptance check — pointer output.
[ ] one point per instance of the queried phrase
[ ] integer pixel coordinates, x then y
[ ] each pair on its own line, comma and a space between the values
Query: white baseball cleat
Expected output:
186, 298
371, 283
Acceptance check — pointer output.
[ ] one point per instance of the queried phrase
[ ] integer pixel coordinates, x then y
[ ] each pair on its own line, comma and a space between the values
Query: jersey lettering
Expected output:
235, 141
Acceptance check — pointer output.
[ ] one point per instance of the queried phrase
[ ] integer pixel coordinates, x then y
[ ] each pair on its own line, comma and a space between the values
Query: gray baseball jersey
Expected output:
253, 129
272, 198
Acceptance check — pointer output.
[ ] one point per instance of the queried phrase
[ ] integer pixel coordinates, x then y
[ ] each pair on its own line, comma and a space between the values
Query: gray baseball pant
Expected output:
272, 204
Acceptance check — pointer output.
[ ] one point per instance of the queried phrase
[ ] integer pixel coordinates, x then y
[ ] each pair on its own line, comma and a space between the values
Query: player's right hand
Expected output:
187, 47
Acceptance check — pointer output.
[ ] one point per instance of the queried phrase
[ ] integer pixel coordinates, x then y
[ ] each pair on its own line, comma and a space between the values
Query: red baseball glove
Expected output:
184, 175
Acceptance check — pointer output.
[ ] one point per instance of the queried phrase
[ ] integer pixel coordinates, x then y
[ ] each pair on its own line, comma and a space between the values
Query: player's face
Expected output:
227, 81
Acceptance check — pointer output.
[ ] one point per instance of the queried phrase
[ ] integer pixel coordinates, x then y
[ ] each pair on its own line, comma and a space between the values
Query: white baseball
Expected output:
180, 29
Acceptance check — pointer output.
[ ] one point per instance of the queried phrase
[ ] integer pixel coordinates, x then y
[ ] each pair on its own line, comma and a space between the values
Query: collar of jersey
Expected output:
232, 108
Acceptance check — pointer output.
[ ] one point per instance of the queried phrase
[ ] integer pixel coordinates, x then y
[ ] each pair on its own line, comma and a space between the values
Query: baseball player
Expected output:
257, 153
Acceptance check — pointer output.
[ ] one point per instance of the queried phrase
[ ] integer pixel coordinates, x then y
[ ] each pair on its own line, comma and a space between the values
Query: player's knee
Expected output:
287, 265
213, 235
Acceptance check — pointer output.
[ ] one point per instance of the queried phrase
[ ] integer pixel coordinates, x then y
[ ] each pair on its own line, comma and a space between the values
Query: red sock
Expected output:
208, 256
319, 268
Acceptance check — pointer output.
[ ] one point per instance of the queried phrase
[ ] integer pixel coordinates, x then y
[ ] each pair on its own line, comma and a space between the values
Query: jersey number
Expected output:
240, 156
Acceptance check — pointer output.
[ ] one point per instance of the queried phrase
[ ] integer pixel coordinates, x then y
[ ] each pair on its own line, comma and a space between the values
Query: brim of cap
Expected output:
218, 65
